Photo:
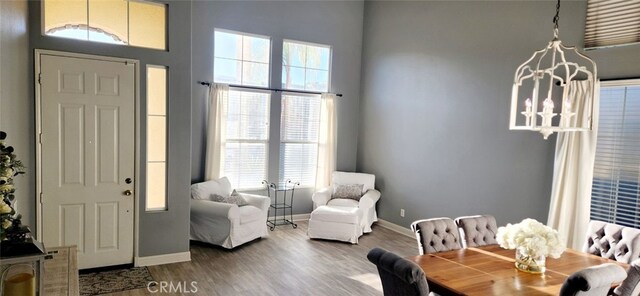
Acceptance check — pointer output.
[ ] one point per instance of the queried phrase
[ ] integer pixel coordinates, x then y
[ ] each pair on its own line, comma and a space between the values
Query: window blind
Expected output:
615, 191
299, 130
612, 22
247, 138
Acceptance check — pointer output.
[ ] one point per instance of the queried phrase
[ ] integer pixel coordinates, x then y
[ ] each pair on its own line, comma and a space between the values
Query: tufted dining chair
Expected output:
479, 230
612, 241
593, 281
399, 276
436, 235
631, 285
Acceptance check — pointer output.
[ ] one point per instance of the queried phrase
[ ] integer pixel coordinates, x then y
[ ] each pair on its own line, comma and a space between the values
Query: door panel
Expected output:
107, 159
87, 153
71, 154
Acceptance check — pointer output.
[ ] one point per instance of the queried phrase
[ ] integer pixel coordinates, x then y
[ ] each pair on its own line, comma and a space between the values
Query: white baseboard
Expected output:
395, 227
163, 259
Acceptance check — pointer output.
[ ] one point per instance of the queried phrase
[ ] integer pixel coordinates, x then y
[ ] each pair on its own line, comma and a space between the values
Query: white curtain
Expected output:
218, 97
326, 141
573, 172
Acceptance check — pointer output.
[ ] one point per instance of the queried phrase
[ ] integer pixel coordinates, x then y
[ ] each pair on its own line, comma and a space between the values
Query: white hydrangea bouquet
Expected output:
533, 242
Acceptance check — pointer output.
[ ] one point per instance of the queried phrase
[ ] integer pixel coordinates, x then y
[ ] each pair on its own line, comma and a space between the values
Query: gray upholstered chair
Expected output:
612, 241
477, 230
399, 276
631, 285
436, 235
593, 281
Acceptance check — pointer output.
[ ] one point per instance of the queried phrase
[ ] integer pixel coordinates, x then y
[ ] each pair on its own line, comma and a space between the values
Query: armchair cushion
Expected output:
204, 190
343, 202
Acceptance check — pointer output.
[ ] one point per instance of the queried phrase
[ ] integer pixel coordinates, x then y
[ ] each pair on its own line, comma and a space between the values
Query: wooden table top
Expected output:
490, 270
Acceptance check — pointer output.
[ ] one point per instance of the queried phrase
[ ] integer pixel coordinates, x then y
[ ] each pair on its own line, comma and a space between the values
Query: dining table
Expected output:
490, 270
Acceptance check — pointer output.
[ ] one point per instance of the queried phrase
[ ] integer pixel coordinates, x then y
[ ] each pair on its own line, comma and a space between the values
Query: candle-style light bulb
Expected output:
527, 111
547, 106
566, 113
547, 112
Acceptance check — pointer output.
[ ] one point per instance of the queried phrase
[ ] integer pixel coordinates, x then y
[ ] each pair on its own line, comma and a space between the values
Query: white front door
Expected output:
87, 157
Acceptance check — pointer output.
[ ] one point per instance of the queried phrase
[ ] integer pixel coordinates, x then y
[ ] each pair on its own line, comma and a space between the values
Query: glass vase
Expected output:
530, 263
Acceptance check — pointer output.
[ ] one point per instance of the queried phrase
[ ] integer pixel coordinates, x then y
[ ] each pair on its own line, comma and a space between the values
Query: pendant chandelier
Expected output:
546, 80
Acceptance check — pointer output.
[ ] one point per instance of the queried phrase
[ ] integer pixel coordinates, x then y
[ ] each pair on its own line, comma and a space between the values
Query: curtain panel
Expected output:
569, 211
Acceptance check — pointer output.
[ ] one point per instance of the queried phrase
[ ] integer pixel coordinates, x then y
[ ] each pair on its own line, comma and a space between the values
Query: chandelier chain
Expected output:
556, 18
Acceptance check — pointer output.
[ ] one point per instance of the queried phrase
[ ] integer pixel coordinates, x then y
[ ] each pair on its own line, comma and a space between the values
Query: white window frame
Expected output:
241, 60
166, 156
311, 44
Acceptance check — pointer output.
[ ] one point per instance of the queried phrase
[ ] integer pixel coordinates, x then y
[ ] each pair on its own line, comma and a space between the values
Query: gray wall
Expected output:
159, 232
14, 98
338, 24
436, 87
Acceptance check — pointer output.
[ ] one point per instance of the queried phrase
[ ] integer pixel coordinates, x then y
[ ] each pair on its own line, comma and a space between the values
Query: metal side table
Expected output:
281, 196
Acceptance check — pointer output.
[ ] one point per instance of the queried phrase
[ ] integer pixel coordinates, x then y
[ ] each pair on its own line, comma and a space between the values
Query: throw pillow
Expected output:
204, 190
348, 191
234, 198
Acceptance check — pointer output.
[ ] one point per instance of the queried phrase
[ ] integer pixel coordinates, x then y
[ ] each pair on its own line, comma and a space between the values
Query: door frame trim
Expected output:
38, 53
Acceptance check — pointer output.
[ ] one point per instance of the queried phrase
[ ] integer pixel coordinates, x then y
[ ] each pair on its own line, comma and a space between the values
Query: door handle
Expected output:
128, 192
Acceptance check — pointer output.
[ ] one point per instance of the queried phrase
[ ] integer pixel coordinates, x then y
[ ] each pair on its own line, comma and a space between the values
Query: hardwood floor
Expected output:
287, 262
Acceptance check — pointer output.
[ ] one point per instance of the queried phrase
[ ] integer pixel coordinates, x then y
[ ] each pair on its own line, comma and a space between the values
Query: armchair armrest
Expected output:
322, 197
206, 208
369, 199
258, 201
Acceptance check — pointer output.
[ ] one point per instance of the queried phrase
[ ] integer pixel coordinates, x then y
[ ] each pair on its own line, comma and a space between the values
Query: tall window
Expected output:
129, 22
616, 178
243, 60
304, 67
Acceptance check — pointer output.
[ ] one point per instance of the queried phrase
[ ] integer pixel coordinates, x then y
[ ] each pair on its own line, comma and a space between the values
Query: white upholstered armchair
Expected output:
225, 224
367, 203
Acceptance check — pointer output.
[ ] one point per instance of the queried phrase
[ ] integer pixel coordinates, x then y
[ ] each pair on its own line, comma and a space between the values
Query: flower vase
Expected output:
530, 263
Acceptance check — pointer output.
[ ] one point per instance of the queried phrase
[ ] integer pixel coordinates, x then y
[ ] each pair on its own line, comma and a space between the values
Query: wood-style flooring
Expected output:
286, 262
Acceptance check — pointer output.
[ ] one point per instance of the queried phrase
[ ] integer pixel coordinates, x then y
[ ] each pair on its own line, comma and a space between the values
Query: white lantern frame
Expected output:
562, 72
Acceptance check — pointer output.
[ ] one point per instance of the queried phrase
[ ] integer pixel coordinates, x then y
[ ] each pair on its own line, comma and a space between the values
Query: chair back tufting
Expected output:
612, 241
477, 230
593, 281
399, 276
436, 235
